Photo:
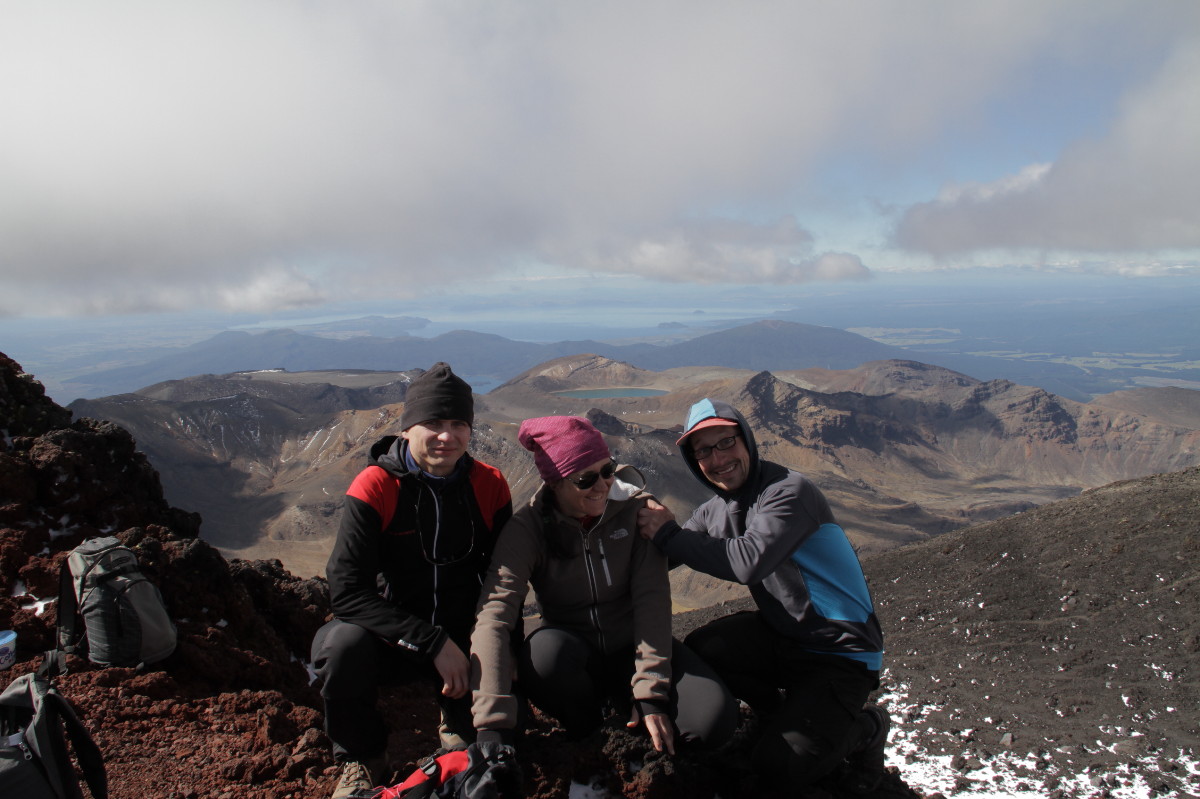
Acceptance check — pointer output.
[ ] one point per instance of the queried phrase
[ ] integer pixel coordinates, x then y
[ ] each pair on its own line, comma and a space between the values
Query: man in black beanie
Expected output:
417, 532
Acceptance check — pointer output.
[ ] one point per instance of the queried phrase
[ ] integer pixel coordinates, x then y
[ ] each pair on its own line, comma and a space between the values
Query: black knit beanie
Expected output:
438, 394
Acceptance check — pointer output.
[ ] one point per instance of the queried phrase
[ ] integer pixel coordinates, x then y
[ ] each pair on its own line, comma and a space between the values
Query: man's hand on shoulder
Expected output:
651, 517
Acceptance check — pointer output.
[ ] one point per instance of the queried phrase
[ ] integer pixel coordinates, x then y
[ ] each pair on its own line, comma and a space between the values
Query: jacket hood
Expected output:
629, 484
716, 409
390, 453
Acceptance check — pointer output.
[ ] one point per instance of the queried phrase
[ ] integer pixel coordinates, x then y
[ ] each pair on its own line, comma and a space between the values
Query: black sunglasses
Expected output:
700, 453
588, 479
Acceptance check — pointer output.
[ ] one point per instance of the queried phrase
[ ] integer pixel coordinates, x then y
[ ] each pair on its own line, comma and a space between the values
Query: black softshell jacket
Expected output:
411, 550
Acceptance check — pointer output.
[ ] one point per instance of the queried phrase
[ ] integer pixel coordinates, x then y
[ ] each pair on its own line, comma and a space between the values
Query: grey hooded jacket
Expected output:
777, 535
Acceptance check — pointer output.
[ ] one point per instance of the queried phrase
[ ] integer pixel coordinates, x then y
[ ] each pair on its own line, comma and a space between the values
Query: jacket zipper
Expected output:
437, 532
604, 562
600, 545
594, 611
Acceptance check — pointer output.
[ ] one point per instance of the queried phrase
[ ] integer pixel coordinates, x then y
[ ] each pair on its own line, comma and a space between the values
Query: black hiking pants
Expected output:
809, 704
353, 663
567, 678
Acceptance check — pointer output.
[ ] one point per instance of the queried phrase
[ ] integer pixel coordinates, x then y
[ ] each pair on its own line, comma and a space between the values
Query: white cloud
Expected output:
1028, 179
154, 151
721, 251
275, 288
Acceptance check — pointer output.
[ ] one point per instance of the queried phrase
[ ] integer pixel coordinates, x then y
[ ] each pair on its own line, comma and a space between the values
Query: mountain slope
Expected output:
1073, 628
1177, 406
244, 451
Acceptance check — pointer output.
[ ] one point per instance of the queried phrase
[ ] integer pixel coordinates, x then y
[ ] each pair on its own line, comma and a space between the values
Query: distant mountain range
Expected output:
764, 345
905, 450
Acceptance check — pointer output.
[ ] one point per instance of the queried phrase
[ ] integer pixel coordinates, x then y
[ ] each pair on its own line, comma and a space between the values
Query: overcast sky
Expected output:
266, 156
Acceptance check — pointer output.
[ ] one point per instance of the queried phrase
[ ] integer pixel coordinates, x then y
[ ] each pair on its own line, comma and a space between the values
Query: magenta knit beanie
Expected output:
562, 445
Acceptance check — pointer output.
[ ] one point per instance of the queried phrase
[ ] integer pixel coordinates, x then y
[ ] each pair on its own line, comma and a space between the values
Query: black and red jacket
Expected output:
412, 549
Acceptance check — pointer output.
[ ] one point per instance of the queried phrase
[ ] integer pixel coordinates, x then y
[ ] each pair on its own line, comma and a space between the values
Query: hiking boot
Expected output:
454, 733
450, 740
359, 778
865, 765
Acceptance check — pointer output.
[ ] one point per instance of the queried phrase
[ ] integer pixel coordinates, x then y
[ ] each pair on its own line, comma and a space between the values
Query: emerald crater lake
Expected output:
610, 393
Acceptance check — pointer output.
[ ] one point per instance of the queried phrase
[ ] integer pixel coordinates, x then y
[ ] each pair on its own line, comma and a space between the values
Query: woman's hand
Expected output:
662, 731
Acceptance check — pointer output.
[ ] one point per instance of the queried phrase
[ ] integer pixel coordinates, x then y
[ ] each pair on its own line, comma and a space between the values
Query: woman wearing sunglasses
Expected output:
605, 601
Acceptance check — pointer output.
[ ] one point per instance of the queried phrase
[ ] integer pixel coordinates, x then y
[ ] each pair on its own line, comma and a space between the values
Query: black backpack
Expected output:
34, 761
481, 771
125, 622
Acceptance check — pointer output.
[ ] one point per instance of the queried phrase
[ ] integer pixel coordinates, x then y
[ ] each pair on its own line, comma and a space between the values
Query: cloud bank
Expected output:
274, 154
1135, 189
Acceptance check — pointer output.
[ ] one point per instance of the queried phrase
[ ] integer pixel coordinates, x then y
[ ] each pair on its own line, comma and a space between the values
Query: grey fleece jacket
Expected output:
606, 583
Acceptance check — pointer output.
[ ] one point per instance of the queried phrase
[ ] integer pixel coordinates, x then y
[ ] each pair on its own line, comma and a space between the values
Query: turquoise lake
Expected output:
611, 393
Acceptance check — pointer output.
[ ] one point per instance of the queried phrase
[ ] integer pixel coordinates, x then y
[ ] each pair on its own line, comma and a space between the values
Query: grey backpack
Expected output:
34, 760
124, 620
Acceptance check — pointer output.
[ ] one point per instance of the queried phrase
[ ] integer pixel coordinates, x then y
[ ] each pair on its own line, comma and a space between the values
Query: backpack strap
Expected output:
67, 611
51, 714
54, 663
428, 779
91, 762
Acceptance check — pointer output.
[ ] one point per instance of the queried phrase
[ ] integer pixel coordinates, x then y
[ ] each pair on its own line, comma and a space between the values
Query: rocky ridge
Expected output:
232, 705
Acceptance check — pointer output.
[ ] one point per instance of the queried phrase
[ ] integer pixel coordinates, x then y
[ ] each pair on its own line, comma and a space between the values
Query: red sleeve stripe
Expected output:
378, 489
491, 490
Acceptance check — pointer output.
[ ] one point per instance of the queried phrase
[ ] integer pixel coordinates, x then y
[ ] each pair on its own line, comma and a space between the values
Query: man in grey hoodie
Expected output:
808, 658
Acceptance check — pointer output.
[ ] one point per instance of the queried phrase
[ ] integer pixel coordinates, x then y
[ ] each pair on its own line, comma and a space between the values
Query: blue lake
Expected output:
611, 393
